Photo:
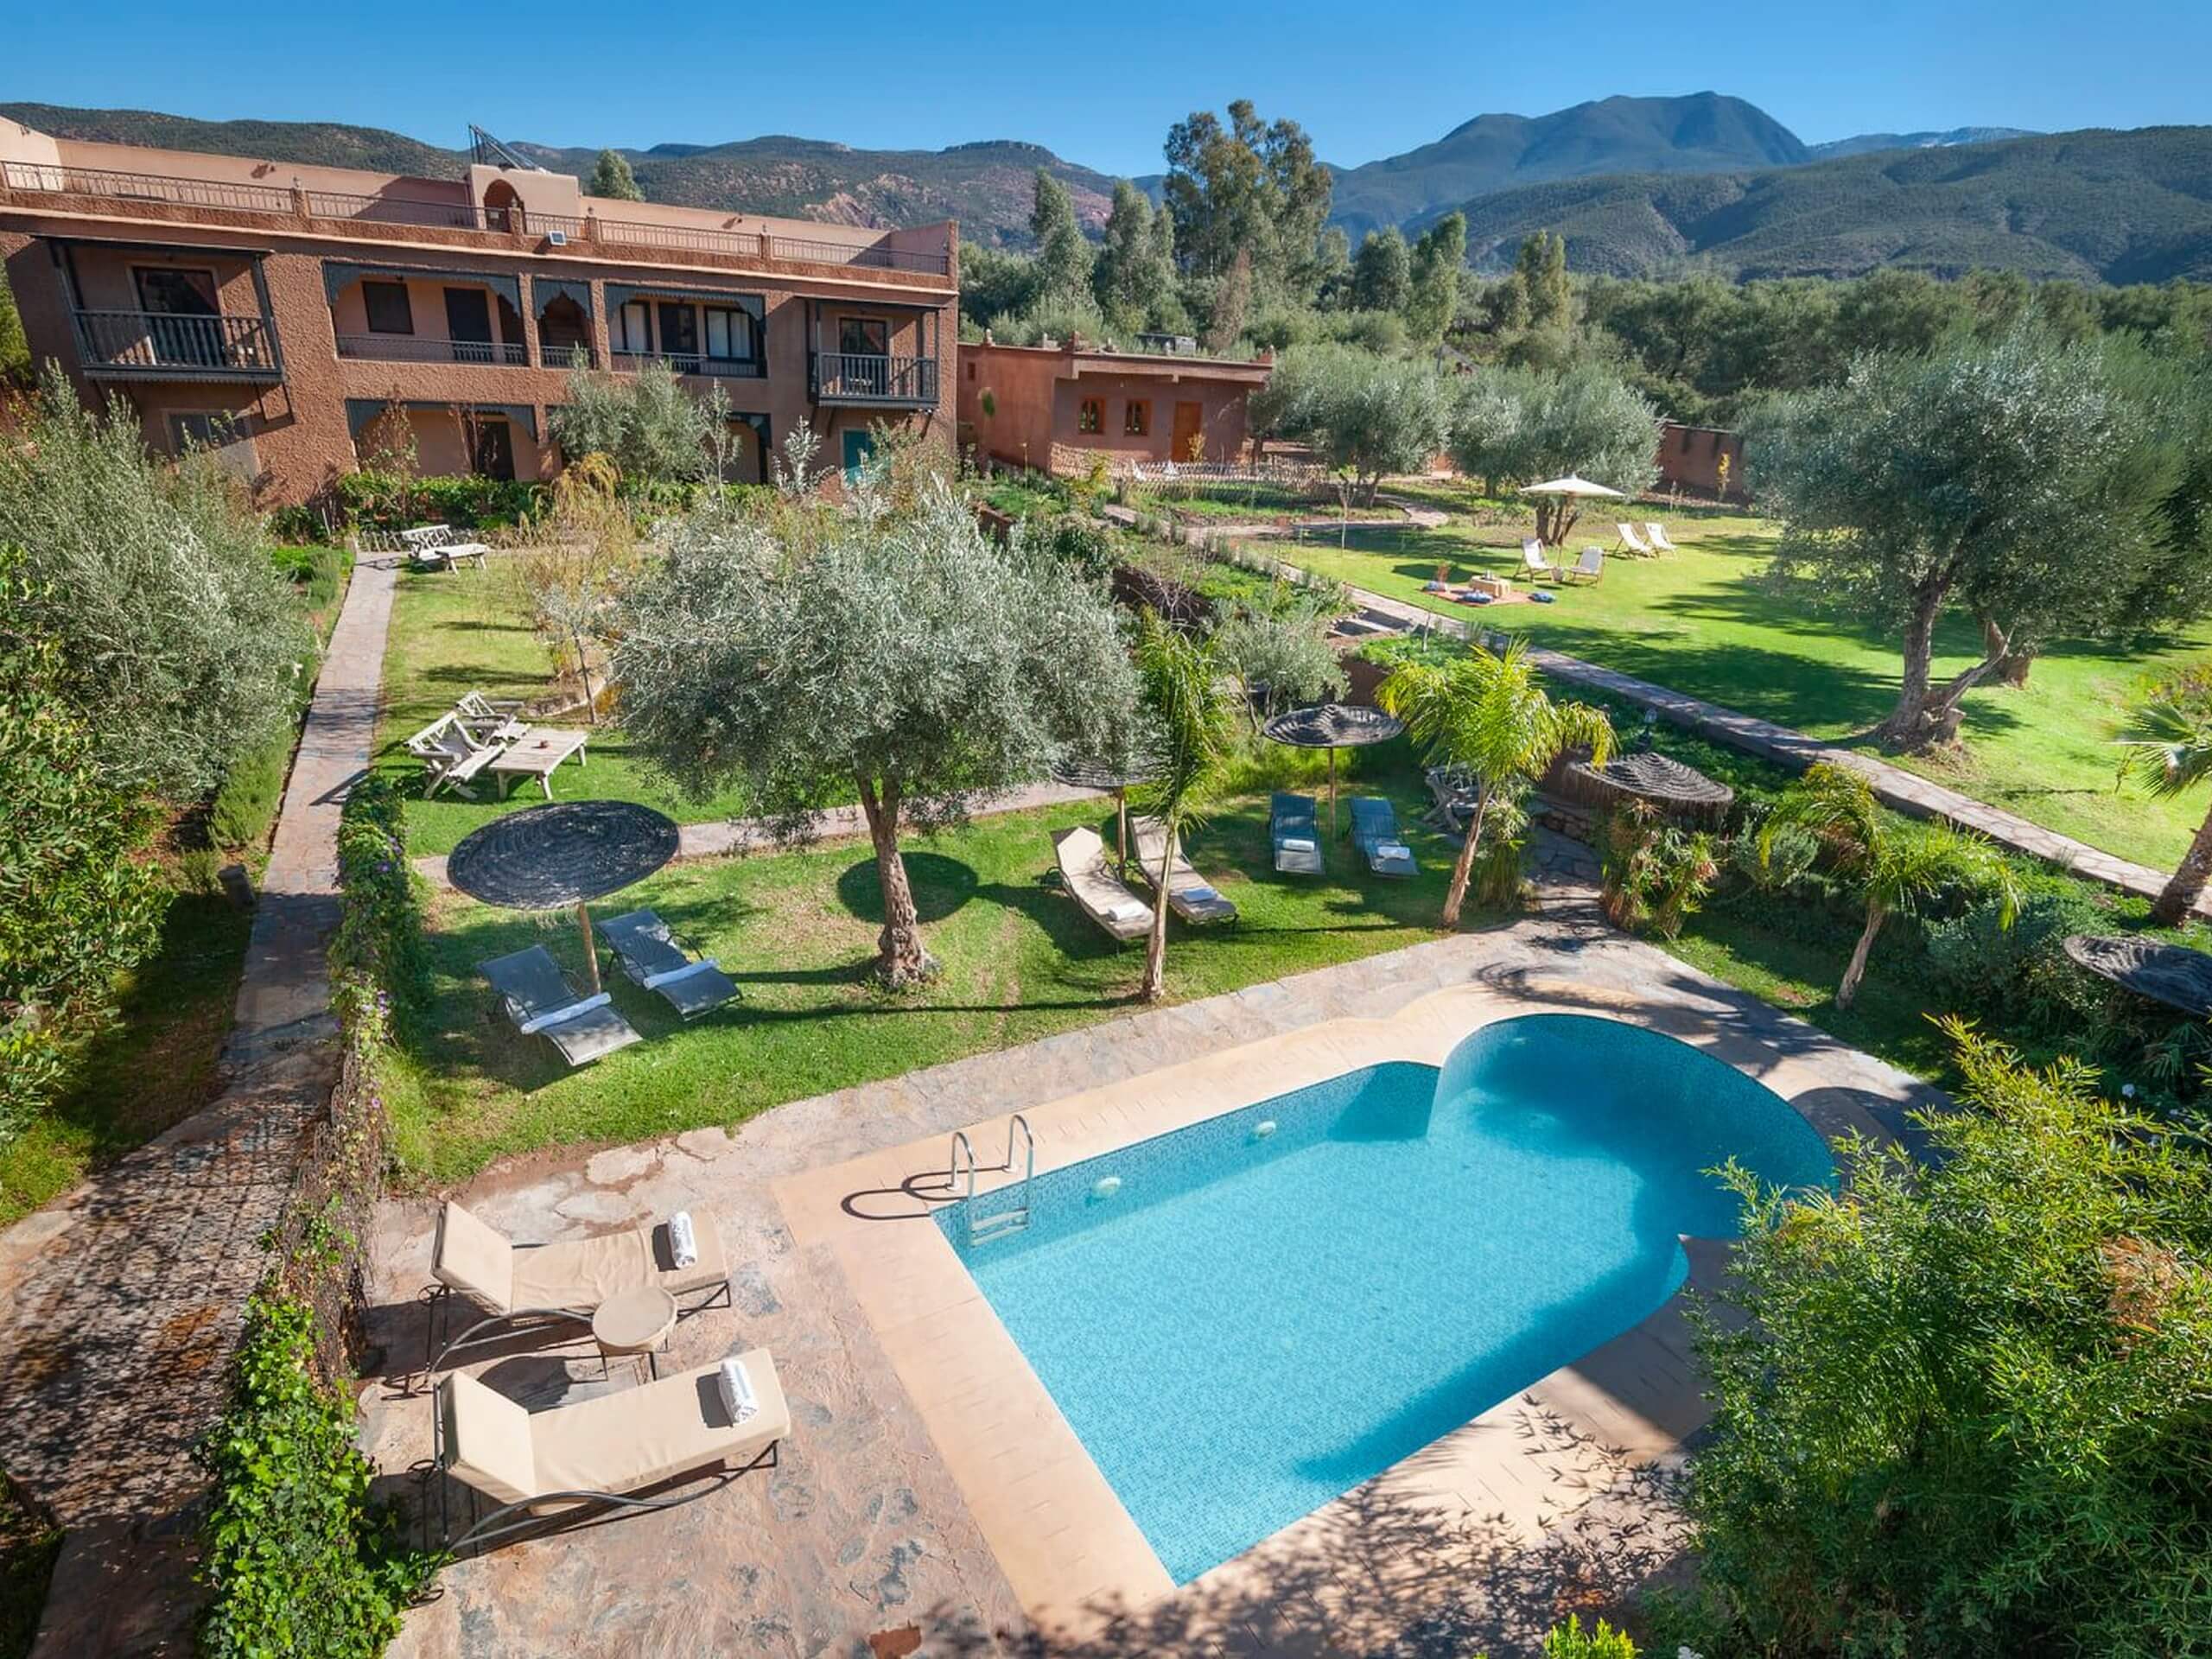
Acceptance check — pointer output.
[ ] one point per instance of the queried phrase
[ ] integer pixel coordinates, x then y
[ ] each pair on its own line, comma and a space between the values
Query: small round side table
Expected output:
634, 1322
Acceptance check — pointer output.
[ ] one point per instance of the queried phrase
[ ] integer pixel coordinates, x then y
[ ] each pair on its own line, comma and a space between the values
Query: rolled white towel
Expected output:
682, 1242
1393, 850
1298, 844
738, 1398
1125, 910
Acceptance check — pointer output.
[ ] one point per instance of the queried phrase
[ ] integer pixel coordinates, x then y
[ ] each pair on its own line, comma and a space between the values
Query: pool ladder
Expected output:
964, 1157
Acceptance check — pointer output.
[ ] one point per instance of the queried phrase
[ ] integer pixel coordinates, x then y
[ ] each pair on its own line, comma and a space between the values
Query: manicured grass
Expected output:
457, 630
798, 931
1709, 623
1229, 503
152, 1065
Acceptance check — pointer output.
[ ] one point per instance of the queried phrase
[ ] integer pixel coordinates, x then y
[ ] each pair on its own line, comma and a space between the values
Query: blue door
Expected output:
859, 446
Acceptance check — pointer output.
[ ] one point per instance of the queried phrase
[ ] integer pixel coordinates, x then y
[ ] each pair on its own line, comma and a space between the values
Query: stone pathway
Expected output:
120, 1303
1904, 791
860, 1532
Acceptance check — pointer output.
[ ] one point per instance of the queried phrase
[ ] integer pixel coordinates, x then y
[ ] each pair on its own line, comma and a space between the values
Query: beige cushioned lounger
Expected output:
580, 1273
625, 1441
1090, 882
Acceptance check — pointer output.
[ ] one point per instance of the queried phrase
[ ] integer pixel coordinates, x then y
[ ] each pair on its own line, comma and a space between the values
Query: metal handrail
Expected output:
960, 1144
873, 376
410, 348
160, 339
1029, 1140
440, 212
145, 187
693, 363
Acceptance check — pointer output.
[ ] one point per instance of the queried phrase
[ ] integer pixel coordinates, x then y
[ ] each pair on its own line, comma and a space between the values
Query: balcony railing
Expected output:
865, 377
408, 348
452, 213
155, 344
749, 368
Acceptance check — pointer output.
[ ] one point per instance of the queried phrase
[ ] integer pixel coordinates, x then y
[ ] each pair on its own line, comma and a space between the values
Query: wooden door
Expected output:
1190, 440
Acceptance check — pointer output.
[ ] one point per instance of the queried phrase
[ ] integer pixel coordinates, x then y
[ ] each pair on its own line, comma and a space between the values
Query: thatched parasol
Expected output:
1645, 776
2171, 974
566, 853
1332, 725
1115, 778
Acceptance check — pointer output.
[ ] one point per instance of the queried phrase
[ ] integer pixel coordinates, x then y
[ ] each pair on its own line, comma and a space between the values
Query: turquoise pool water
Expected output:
1255, 1322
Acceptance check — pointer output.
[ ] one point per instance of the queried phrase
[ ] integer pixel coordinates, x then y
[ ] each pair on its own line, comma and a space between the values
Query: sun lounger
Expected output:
1656, 535
1190, 895
652, 960
1633, 543
1589, 567
1294, 827
1533, 562
1091, 882
432, 547
542, 1002
451, 754
1375, 832
490, 721
566, 1279
578, 1461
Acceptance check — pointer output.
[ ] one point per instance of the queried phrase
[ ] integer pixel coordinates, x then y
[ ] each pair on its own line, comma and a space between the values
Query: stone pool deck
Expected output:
876, 1535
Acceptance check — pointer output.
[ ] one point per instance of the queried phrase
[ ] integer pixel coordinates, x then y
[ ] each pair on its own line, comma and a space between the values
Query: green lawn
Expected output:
1706, 623
796, 931
457, 630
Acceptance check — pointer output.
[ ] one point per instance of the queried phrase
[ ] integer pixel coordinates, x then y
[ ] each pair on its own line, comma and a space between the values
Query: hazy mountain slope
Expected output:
2123, 207
1705, 132
1865, 143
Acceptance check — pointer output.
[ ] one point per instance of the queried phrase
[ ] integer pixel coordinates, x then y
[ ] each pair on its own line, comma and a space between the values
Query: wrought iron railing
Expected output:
751, 368
442, 213
145, 187
867, 376
839, 253
156, 341
410, 348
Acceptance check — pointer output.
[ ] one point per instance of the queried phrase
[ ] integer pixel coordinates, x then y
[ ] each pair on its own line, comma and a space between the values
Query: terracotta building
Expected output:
1702, 461
1056, 408
279, 311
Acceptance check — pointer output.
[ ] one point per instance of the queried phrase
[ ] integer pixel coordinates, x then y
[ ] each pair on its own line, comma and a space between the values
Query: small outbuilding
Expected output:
1059, 408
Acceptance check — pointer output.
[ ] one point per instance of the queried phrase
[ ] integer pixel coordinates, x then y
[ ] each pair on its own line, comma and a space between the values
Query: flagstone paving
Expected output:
861, 1535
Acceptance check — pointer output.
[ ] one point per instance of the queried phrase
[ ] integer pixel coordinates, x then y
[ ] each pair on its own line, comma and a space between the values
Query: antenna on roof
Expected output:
490, 152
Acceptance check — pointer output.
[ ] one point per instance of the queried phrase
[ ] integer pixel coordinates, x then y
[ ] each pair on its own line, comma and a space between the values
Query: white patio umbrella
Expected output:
1564, 493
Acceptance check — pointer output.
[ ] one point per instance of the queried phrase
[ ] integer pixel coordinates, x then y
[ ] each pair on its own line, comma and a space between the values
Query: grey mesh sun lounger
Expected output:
1190, 895
652, 959
542, 1002
1295, 826
1375, 832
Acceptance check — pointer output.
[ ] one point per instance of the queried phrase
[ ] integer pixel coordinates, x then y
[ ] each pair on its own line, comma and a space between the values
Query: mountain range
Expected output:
1637, 185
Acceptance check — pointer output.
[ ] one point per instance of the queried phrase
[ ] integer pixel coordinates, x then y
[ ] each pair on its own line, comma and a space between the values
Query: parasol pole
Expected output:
591, 948
1122, 822
1332, 792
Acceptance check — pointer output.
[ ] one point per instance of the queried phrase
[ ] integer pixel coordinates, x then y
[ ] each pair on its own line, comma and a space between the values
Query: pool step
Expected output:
963, 1156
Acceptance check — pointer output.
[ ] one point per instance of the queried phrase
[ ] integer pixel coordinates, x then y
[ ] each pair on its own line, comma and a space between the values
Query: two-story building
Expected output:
279, 312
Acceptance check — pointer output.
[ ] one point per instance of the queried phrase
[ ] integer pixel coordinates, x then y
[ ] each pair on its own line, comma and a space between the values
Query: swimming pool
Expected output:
1258, 1313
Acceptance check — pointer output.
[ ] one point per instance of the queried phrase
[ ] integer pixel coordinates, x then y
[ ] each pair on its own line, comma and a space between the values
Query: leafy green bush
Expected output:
1083, 541
299, 1558
245, 807
1571, 1641
1655, 875
387, 501
1961, 1404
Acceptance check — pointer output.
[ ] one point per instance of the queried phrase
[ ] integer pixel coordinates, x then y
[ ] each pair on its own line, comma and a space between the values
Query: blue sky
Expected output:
1368, 78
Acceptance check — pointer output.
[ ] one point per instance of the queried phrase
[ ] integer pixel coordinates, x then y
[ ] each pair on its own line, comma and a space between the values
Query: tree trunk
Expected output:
1902, 728
2177, 899
1463, 867
1155, 948
902, 961
1876, 915
2010, 666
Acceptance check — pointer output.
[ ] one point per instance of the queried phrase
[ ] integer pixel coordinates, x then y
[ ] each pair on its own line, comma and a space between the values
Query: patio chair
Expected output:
1294, 827
1098, 892
541, 1001
451, 754
1589, 567
1656, 534
1452, 791
1190, 895
432, 547
491, 720
653, 961
581, 1461
564, 1281
1375, 832
1635, 544
1533, 562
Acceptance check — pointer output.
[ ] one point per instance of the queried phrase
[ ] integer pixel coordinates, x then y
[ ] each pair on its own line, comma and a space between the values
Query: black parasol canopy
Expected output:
2171, 974
1332, 725
564, 853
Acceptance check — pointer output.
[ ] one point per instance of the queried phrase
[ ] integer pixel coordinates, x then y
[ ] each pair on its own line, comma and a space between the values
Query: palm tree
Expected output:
1899, 865
2169, 748
1487, 714
1193, 719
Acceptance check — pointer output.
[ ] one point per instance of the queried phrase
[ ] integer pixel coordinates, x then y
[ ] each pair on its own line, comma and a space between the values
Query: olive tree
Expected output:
1518, 424
889, 651
1369, 415
645, 423
2016, 483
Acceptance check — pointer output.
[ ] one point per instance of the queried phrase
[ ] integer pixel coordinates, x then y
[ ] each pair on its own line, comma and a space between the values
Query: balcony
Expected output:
410, 348
156, 346
743, 368
867, 377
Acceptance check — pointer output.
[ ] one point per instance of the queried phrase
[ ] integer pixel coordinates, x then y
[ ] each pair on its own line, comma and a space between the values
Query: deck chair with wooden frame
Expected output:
451, 754
613, 1452
1533, 562
1588, 567
1656, 535
1633, 543
492, 720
